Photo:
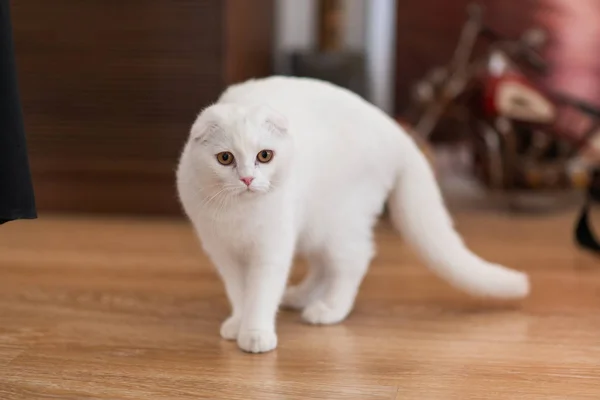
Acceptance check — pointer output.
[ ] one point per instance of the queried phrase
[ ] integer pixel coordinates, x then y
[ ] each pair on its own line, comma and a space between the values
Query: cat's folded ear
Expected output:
207, 124
274, 121
212, 120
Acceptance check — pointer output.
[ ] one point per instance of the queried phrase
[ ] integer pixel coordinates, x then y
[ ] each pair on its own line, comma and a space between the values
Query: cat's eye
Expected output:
265, 156
225, 158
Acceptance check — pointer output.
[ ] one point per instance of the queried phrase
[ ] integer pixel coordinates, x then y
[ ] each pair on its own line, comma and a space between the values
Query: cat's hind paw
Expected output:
295, 298
320, 313
230, 328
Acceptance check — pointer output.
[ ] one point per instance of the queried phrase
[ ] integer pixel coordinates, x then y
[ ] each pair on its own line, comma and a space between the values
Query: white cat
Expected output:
280, 166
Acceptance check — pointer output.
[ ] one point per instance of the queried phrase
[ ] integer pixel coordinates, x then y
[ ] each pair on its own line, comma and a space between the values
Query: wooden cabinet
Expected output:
110, 89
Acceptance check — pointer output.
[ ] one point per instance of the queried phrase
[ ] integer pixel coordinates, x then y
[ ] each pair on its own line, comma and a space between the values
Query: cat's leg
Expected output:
309, 289
232, 274
266, 278
346, 260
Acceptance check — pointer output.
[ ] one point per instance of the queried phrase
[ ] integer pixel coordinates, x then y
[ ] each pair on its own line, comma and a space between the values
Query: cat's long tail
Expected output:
418, 211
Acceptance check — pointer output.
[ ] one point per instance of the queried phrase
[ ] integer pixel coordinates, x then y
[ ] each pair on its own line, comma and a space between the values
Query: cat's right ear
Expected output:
203, 130
206, 125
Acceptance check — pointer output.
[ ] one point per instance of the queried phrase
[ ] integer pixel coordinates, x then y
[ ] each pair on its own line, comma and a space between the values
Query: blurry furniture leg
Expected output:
16, 191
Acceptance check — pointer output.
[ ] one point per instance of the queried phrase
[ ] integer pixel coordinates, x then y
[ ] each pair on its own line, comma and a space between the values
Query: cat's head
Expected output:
239, 150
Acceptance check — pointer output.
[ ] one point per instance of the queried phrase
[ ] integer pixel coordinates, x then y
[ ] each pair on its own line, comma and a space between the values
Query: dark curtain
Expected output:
16, 191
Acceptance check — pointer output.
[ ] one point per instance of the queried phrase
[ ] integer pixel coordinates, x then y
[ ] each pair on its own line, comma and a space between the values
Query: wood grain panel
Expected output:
116, 80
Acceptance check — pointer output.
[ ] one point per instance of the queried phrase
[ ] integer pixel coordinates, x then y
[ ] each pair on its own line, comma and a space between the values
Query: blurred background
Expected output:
109, 89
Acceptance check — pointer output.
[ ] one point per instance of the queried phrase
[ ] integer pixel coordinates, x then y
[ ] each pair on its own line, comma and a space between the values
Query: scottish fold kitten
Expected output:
280, 166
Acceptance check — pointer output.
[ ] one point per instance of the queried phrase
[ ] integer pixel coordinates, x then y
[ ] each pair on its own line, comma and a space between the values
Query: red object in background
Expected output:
492, 83
425, 39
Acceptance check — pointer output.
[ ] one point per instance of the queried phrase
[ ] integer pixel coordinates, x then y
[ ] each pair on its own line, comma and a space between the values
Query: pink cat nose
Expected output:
247, 180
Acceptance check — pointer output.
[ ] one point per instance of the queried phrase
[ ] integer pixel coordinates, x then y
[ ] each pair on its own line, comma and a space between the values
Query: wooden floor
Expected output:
126, 309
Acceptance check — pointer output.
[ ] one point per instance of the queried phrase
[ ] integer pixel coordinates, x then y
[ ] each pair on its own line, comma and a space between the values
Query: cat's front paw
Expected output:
230, 328
257, 341
295, 298
320, 313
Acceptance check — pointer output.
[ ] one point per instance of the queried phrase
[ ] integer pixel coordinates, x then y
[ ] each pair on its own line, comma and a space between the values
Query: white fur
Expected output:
337, 160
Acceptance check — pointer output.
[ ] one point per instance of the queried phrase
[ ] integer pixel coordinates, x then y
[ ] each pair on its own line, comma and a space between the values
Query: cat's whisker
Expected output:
213, 197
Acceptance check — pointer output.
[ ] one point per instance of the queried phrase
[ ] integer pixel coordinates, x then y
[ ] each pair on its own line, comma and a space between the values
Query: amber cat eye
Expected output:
225, 158
265, 156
